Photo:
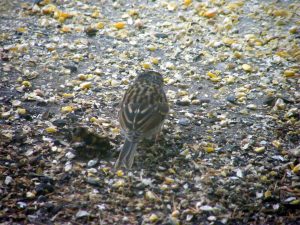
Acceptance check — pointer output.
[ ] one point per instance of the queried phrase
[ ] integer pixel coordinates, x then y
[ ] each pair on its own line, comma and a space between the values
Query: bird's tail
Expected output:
127, 154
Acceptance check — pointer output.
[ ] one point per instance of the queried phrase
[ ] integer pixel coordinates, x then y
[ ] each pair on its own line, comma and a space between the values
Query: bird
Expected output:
143, 110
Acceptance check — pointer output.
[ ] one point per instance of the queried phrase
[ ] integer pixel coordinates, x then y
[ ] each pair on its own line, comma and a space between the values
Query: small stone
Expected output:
21, 205
85, 85
114, 83
251, 106
183, 102
119, 183
218, 44
90, 31
259, 149
68, 167
276, 143
139, 24
229, 79
169, 180
196, 102
279, 105
184, 121
182, 93
172, 6
93, 181
21, 111
170, 66
8, 180
44, 188
16, 103
153, 218
206, 208
247, 67
149, 195
175, 213
189, 217
92, 162
294, 30
211, 218
30, 194
59, 122
269, 100
5, 115
70, 155
155, 61
232, 99
295, 152
173, 221
151, 48
239, 173
82, 213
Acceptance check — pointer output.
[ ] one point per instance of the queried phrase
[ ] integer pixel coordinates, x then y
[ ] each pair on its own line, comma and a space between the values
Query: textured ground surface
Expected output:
229, 153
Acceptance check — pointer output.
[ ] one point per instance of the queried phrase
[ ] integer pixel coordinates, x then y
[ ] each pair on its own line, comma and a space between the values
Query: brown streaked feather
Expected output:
139, 112
142, 112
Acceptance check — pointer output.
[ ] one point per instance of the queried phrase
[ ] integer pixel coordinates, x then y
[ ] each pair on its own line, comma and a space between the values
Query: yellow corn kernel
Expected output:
119, 25
67, 109
51, 130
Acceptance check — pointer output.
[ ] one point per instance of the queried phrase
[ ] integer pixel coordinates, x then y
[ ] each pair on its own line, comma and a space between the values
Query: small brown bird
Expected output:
143, 110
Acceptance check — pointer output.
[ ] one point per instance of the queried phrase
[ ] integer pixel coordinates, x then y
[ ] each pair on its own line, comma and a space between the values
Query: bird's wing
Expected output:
137, 117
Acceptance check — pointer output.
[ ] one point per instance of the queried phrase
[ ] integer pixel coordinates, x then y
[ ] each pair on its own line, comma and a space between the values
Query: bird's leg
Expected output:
157, 136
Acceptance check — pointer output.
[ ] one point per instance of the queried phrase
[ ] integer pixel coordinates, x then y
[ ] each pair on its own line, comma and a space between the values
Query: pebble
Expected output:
183, 102
82, 213
92, 162
206, 208
211, 218
93, 181
16, 102
149, 195
184, 121
70, 155
59, 122
44, 188
21, 205
269, 100
153, 218
161, 35
8, 180
30, 194
68, 167
232, 99
279, 105
251, 106
259, 149
295, 152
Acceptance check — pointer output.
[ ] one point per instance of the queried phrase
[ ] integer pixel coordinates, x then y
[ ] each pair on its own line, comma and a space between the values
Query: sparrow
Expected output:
143, 110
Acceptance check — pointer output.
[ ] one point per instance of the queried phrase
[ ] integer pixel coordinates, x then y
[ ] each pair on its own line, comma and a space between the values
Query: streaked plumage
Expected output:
143, 110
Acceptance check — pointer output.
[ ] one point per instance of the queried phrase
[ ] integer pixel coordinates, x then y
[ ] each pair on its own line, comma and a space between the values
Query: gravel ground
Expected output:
229, 152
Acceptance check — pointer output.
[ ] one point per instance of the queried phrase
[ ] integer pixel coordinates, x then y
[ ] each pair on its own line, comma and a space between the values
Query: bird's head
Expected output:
151, 76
